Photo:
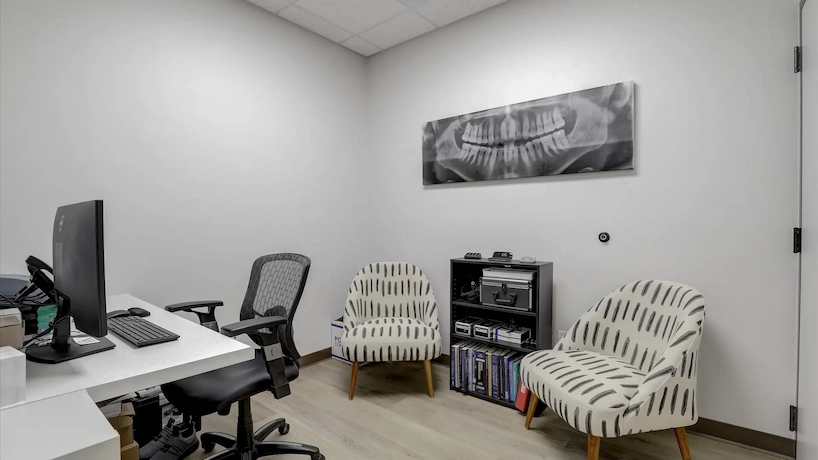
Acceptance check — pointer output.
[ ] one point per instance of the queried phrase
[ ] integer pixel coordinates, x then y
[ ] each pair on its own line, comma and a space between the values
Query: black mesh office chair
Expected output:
276, 284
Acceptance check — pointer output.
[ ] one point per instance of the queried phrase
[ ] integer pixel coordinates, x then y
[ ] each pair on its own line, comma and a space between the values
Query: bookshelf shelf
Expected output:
510, 311
484, 397
465, 271
499, 343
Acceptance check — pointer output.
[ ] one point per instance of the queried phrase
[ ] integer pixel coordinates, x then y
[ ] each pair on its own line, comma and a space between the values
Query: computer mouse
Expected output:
136, 311
118, 314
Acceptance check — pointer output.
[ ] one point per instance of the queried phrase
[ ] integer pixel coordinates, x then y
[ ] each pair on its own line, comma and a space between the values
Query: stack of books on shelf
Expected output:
487, 370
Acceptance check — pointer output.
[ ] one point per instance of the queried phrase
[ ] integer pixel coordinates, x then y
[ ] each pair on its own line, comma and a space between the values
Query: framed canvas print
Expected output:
584, 131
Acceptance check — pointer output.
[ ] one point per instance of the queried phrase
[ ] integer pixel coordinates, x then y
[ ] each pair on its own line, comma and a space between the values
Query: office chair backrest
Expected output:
639, 322
276, 284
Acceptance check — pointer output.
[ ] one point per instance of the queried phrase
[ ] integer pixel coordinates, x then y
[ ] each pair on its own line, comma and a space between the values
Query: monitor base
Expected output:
48, 355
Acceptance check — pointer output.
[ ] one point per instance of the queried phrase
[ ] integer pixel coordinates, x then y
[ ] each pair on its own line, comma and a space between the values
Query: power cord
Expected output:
10, 302
50, 328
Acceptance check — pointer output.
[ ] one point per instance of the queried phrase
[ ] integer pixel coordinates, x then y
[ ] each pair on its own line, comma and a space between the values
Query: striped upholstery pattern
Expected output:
629, 365
391, 315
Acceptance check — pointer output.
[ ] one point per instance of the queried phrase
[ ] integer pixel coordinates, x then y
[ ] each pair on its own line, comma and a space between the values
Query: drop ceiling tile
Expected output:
397, 30
312, 22
271, 5
360, 46
415, 4
444, 12
354, 15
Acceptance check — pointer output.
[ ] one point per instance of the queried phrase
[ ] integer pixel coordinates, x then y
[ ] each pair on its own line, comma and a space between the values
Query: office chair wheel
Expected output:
208, 446
318, 457
284, 429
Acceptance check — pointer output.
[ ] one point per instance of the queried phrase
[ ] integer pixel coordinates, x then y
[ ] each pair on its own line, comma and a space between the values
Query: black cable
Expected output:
50, 328
26, 302
11, 302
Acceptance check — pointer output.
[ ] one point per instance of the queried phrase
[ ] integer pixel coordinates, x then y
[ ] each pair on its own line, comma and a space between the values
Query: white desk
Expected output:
77, 383
126, 368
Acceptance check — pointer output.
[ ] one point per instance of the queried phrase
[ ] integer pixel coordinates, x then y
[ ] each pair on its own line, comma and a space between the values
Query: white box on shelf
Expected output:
12, 376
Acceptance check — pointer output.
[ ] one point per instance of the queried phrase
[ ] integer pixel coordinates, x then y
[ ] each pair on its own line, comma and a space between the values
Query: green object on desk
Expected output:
45, 315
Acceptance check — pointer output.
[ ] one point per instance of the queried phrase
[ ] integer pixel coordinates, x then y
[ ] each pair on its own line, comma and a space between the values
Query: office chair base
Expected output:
280, 424
209, 440
264, 449
251, 446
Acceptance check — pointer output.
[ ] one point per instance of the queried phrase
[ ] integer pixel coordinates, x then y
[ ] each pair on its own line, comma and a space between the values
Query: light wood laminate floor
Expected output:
392, 417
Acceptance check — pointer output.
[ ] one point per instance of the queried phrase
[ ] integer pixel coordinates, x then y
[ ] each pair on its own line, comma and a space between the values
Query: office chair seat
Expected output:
207, 393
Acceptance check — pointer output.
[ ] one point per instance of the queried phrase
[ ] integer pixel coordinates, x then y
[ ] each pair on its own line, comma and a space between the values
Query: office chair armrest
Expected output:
257, 329
188, 306
206, 318
252, 326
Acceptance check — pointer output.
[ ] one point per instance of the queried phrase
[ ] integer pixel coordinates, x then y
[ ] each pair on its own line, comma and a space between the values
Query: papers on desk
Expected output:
87, 340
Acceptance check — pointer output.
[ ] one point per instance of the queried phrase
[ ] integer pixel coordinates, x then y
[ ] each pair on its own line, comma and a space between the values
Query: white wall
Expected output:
214, 131
712, 201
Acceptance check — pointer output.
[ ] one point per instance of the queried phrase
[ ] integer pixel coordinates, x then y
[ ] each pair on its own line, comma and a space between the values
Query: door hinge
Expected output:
797, 58
793, 418
796, 240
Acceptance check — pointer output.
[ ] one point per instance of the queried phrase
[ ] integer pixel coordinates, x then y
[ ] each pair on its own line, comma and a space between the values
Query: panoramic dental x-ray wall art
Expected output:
583, 131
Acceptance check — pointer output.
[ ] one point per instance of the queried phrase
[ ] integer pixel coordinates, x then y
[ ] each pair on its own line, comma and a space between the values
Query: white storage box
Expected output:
12, 376
336, 330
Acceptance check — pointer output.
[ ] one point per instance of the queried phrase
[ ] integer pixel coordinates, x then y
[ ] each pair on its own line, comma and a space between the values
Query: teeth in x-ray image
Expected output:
539, 138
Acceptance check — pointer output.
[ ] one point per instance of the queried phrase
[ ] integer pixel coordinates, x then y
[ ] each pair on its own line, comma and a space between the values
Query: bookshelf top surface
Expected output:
512, 263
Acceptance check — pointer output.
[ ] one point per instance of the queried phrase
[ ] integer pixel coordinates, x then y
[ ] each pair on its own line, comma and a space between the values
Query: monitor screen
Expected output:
79, 264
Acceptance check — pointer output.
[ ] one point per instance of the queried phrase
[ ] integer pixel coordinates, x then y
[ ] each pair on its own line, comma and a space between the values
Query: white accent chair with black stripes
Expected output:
391, 316
628, 366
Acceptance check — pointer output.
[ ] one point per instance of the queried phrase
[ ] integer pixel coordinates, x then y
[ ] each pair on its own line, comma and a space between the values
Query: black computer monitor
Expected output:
79, 284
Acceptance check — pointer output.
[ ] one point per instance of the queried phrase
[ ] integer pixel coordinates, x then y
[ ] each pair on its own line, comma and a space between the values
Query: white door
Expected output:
807, 447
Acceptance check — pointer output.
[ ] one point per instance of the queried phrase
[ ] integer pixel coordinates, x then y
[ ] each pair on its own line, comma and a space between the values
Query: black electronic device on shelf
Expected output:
501, 256
489, 338
473, 255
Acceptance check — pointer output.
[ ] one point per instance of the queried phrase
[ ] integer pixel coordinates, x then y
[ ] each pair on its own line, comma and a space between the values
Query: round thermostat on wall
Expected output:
604, 237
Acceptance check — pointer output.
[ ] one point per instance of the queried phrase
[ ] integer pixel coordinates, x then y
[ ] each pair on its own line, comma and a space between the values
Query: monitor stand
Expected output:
49, 355
62, 346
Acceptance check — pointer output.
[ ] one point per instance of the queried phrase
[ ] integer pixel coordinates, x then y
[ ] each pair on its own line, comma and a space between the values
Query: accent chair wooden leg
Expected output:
532, 407
593, 447
430, 385
355, 366
681, 438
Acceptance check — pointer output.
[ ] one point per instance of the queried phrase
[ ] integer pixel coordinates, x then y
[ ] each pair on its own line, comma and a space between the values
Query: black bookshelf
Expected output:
464, 271
499, 343
485, 398
477, 306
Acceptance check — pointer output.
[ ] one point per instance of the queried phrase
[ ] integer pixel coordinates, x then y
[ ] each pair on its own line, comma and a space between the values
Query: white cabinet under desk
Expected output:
68, 427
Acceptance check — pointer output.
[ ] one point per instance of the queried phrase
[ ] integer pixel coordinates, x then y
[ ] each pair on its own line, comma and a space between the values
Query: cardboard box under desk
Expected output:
129, 452
123, 424
11, 329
